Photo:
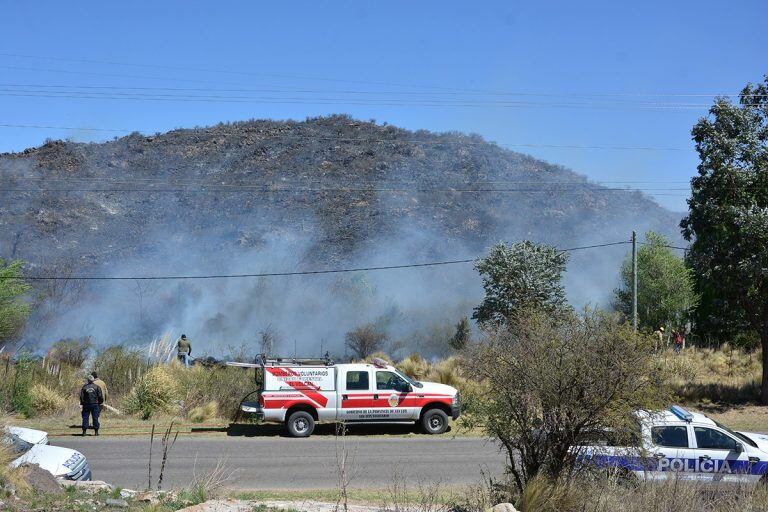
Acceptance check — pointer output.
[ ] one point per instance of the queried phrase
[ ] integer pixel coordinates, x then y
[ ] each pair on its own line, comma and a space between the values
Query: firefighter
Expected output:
91, 400
183, 350
101, 384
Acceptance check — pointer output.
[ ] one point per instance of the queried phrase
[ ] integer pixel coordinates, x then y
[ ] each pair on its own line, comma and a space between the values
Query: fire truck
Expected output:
302, 392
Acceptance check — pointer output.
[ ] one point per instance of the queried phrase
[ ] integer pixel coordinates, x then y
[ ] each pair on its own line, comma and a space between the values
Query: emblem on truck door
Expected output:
394, 399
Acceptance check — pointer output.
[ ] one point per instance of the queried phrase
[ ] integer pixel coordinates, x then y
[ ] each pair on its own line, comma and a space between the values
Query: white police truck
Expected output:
682, 444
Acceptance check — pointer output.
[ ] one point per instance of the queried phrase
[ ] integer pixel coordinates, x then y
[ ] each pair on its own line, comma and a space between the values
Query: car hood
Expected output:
29, 435
56, 460
761, 440
435, 388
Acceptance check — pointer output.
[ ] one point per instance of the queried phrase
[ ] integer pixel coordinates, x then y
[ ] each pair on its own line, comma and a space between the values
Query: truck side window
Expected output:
713, 440
357, 381
673, 437
390, 380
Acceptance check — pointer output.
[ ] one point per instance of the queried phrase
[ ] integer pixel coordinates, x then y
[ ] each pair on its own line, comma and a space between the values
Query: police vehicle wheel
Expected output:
300, 424
434, 421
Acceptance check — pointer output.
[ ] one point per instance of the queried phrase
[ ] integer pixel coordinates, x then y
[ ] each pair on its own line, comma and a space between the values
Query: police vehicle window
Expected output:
672, 437
738, 435
390, 380
713, 439
357, 381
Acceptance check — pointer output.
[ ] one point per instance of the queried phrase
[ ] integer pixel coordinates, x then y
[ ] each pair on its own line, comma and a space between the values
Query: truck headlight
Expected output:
455, 401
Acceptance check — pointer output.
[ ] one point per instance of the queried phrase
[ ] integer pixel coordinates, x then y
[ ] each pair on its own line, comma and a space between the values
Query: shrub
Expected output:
414, 366
155, 392
45, 400
72, 351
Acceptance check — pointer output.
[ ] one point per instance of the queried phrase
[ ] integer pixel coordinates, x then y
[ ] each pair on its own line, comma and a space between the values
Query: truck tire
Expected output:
300, 424
434, 421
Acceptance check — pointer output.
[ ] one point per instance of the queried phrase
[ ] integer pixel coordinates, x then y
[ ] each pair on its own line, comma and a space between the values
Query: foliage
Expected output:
550, 381
71, 351
521, 276
120, 367
13, 310
728, 217
23, 376
155, 392
365, 340
665, 293
45, 400
461, 337
203, 412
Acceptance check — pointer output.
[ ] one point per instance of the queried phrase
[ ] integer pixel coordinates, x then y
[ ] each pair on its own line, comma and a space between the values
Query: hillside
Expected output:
273, 196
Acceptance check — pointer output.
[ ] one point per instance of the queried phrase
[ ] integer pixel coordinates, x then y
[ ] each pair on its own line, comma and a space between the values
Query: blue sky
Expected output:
628, 74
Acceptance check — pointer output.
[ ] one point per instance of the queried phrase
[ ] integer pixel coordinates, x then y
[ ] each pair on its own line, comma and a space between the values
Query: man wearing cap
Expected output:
91, 399
183, 350
658, 335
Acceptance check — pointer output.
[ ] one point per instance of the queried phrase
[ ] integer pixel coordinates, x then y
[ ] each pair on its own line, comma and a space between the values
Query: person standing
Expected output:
658, 336
101, 384
91, 400
183, 350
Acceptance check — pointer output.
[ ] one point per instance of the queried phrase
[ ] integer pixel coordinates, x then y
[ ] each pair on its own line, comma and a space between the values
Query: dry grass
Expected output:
46, 401
728, 375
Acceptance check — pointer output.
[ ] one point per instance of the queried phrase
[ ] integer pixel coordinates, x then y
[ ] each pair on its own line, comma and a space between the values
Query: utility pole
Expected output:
634, 281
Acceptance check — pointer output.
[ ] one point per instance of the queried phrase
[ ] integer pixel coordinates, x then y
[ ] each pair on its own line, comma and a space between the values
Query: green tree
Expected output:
550, 382
14, 311
461, 337
520, 276
365, 340
665, 289
728, 213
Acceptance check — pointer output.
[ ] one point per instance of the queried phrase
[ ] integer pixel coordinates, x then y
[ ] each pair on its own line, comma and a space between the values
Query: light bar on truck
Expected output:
681, 413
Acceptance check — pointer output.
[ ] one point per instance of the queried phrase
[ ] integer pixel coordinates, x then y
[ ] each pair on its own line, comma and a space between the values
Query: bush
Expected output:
551, 380
120, 368
155, 393
45, 400
72, 352
205, 412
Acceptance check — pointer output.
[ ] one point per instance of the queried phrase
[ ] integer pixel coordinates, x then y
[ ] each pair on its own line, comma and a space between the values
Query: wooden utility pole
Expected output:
634, 281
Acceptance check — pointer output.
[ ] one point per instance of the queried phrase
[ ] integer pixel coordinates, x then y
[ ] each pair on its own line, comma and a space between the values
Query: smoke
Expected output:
212, 234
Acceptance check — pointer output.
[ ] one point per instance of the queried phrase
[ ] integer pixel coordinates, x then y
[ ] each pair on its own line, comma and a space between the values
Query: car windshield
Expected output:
16, 444
738, 435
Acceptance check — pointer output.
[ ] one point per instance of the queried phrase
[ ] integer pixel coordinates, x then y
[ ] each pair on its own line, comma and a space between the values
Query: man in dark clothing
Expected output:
91, 399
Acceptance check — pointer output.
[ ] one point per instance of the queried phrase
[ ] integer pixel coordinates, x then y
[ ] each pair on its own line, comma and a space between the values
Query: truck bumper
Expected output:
455, 412
252, 409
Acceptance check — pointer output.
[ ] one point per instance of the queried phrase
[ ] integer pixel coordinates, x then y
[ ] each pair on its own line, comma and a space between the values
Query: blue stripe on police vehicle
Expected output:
684, 444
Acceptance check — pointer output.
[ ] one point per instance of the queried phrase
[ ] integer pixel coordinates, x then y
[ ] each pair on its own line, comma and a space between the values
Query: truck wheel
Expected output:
434, 421
300, 424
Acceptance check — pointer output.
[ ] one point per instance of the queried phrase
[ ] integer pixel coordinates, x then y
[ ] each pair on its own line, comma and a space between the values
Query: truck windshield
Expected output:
411, 381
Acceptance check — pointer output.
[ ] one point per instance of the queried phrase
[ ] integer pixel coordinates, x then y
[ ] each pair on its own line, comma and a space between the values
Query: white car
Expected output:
31, 446
687, 445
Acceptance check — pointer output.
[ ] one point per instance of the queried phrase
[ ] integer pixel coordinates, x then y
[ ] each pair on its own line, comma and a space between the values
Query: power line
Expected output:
278, 274
446, 90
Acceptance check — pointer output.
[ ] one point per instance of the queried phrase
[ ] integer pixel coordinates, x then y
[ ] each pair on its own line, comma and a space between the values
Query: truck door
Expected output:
721, 458
392, 399
355, 394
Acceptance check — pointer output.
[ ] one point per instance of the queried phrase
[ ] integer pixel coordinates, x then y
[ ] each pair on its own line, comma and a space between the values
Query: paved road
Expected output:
284, 463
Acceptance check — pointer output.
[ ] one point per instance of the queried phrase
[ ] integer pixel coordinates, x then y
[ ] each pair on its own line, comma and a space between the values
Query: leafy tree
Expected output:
665, 290
520, 276
365, 340
460, 339
14, 311
728, 217
550, 382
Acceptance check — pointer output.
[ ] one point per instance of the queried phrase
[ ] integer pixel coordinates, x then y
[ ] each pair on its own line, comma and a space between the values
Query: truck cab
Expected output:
302, 392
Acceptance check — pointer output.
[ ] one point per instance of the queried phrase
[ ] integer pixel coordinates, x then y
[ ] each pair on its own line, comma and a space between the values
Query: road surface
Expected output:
285, 463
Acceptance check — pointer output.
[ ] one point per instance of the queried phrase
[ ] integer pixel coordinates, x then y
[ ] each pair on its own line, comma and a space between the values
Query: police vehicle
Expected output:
685, 445
302, 392
31, 446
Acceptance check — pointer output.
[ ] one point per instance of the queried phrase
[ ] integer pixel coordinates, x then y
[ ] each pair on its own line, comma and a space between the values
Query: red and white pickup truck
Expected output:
302, 392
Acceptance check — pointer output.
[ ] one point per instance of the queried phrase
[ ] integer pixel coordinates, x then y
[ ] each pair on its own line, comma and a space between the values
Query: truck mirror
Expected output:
739, 448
